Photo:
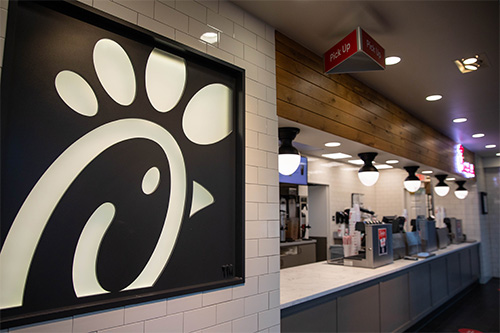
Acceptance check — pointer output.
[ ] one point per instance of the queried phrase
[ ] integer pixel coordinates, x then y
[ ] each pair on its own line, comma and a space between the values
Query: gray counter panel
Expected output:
453, 266
358, 312
439, 281
465, 267
475, 267
324, 313
394, 305
420, 290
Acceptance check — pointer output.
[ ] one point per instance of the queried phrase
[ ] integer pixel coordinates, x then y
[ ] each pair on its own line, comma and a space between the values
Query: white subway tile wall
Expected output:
145, 311
173, 324
246, 324
155, 26
99, 320
256, 304
247, 42
145, 7
217, 296
117, 10
135, 327
200, 318
492, 177
467, 210
251, 248
181, 304
389, 192
222, 328
342, 180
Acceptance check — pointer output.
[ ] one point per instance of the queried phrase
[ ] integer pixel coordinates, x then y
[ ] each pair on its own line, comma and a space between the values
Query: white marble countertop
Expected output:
303, 283
298, 242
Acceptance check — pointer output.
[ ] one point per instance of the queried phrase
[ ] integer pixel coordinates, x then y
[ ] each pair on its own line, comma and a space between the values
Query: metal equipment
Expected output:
378, 249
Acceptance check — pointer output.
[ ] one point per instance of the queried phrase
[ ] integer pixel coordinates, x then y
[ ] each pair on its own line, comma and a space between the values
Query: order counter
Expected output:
297, 253
321, 297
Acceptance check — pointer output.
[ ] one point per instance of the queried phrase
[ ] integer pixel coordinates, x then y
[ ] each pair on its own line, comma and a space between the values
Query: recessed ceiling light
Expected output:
470, 60
357, 162
392, 161
498, 154
332, 144
426, 172
490, 146
336, 156
331, 164
471, 64
477, 135
383, 166
209, 37
392, 60
432, 98
459, 120
450, 179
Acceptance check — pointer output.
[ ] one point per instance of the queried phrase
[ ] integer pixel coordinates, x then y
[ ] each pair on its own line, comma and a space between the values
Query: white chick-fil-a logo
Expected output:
466, 168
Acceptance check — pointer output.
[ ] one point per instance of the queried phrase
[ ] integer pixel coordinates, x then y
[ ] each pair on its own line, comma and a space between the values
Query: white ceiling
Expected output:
428, 36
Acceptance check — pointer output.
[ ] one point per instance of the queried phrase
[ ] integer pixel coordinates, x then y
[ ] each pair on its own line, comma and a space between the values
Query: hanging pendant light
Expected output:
412, 182
441, 188
461, 192
289, 157
368, 174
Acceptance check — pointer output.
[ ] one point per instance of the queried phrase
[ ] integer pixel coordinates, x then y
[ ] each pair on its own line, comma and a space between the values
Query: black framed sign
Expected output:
484, 202
122, 165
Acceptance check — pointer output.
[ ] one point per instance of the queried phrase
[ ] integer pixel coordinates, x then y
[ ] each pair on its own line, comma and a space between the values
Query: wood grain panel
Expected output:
291, 89
354, 94
303, 116
297, 76
324, 109
341, 105
304, 56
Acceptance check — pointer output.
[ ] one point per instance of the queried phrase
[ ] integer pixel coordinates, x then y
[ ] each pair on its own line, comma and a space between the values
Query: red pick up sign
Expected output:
357, 52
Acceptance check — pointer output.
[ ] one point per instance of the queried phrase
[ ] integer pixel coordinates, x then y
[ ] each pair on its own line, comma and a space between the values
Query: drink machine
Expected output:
283, 220
455, 228
304, 211
378, 249
428, 235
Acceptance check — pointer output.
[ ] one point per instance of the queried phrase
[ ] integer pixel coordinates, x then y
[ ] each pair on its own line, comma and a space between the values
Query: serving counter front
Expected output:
321, 297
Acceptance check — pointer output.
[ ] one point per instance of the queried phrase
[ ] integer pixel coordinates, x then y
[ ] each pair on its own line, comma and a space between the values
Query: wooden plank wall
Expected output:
343, 106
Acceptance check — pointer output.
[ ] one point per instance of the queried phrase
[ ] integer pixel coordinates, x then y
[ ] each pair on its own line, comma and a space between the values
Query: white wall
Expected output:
342, 180
467, 210
253, 307
474, 224
492, 176
386, 197
390, 193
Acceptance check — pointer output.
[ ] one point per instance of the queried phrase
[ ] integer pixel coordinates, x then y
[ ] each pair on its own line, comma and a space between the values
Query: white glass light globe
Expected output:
461, 194
288, 163
368, 178
412, 186
441, 190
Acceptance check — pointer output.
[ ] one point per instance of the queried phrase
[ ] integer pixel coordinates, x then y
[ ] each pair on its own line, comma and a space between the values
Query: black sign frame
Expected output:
208, 251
